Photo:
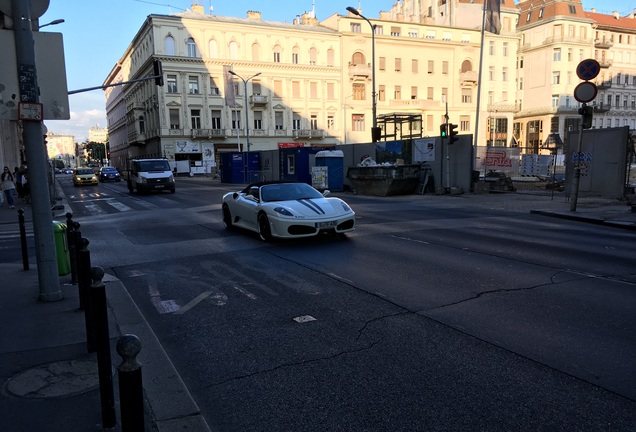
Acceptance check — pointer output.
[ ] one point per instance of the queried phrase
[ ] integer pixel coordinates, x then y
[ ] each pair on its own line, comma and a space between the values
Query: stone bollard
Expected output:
84, 285
70, 240
102, 340
23, 240
131, 397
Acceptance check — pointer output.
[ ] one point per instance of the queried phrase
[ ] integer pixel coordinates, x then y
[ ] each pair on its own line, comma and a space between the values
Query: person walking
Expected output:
8, 186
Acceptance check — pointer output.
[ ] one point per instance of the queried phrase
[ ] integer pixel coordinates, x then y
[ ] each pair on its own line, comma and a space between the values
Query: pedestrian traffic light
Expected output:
158, 71
443, 130
588, 113
452, 133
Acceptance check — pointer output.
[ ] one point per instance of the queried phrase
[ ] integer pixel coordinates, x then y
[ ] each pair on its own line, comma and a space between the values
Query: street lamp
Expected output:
375, 132
54, 22
247, 125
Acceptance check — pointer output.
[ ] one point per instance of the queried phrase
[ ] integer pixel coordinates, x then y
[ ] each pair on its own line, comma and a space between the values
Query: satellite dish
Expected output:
38, 7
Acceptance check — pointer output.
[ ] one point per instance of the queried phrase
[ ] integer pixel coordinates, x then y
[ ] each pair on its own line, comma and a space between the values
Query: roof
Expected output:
615, 21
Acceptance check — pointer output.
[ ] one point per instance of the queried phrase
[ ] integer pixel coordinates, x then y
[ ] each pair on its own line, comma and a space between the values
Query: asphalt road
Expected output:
431, 316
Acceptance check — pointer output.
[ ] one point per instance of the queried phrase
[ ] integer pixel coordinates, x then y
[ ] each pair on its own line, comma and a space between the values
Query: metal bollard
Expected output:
84, 285
131, 395
102, 338
23, 242
70, 240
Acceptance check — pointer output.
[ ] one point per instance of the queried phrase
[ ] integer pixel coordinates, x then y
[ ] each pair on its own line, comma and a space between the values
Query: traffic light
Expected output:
452, 133
376, 134
158, 71
587, 112
443, 130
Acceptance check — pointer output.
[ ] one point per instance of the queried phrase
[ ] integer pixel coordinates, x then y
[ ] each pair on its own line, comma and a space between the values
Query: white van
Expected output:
147, 175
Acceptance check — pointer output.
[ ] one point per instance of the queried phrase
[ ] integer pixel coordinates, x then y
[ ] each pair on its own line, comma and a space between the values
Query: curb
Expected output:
170, 402
591, 220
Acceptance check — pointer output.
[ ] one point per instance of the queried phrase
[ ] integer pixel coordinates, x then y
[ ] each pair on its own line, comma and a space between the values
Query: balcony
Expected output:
468, 78
208, 133
601, 107
359, 70
603, 43
308, 133
259, 100
603, 85
136, 139
605, 63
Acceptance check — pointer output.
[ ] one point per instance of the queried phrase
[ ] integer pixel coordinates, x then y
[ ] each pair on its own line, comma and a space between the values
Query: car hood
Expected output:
312, 207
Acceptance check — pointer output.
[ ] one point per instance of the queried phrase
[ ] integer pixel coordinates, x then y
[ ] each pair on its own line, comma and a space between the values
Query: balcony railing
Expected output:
605, 63
208, 133
259, 100
603, 85
308, 133
468, 77
603, 43
601, 107
359, 70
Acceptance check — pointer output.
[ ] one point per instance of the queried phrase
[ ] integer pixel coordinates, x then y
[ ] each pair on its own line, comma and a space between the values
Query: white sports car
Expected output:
286, 210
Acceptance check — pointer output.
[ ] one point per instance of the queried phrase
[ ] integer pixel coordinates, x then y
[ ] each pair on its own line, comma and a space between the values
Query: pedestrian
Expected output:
8, 186
17, 179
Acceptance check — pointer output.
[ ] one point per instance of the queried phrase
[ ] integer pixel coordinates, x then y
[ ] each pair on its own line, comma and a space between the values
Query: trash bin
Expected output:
61, 249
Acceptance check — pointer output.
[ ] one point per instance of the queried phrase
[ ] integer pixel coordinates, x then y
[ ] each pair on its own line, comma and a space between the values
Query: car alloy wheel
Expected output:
264, 231
227, 217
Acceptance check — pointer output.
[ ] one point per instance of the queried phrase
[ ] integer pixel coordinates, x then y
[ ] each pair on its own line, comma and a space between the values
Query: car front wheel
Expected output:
264, 230
227, 217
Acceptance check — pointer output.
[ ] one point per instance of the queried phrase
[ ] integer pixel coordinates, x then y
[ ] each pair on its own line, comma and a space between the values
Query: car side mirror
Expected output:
235, 195
326, 192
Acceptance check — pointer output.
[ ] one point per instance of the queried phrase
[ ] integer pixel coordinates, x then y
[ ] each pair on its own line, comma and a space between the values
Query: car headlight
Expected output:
283, 211
345, 207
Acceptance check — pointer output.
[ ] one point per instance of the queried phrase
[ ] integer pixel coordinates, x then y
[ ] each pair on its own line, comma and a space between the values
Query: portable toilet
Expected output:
334, 161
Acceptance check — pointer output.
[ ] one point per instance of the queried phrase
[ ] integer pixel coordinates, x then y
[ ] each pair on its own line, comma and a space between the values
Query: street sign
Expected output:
588, 69
585, 92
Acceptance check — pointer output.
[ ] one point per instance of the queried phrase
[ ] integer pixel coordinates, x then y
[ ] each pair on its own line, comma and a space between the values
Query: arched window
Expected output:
296, 55
313, 56
169, 45
357, 59
214, 49
233, 50
277, 53
192, 48
330, 57
256, 52
467, 66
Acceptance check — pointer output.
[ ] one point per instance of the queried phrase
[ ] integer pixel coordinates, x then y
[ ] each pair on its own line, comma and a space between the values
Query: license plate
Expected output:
330, 224
158, 186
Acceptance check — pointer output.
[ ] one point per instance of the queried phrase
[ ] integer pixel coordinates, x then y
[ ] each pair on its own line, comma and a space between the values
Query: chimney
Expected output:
593, 10
198, 9
615, 14
253, 15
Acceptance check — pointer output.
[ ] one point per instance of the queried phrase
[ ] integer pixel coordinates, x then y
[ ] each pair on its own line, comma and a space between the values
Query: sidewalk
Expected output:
49, 381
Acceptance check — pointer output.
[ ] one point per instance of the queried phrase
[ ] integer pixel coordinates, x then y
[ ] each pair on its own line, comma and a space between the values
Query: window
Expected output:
142, 125
378, 29
556, 78
521, 83
313, 90
215, 115
174, 119
256, 88
278, 120
465, 38
356, 28
414, 66
398, 65
278, 89
395, 31
291, 164
295, 54
429, 93
313, 56
556, 54
169, 45
444, 94
504, 74
431, 66
236, 119
258, 120
447, 36
330, 57
572, 9
295, 121
445, 67
233, 50
357, 122
541, 13
171, 83
193, 84
413, 33
358, 91
331, 122
491, 73
313, 121
192, 47
331, 92
195, 118
466, 96
381, 92
397, 93
555, 101
214, 49
277, 51
413, 92
382, 63
464, 123
296, 89
214, 88
357, 58
256, 52
491, 48
430, 34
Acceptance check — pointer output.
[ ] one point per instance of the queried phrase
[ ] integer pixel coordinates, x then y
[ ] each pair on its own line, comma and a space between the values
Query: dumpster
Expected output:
61, 249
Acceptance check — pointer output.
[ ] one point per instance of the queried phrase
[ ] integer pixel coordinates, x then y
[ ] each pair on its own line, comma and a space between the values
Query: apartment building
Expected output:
311, 83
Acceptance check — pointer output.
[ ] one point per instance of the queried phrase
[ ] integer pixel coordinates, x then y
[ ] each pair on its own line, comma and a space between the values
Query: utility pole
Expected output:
37, 163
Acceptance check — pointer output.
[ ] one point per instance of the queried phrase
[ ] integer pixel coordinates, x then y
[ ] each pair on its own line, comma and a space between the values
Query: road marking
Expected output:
340, 278
246, 292
119, 206
304, 319
198, 299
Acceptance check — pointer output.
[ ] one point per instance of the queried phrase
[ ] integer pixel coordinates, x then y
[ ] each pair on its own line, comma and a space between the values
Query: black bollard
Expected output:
84, 285
102, 339
131, 394
23, 241
70, 240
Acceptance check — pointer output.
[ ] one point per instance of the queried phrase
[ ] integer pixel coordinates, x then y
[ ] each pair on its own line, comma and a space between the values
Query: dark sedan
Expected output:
109, 173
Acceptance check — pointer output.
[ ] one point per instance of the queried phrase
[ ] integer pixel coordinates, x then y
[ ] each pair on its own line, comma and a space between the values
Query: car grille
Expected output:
300, 230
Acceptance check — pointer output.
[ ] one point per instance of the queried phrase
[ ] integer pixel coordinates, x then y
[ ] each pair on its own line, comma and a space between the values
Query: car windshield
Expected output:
109, 169
84, 171
288, 191
160, 165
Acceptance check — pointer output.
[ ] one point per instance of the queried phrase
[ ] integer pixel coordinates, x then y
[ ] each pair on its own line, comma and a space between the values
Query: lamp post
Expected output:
54, 22
374, 131
344, 123
247, 125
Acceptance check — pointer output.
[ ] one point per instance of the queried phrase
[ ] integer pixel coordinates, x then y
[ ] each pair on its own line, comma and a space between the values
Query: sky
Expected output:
97, 32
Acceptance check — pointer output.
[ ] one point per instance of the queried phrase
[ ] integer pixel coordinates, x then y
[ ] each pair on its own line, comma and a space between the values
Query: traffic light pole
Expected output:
577, 168
48, 278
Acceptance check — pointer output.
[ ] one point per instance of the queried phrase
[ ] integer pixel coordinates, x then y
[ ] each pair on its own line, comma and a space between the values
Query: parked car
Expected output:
286, 210
84, 176
555, 182
67, 171
109, 173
